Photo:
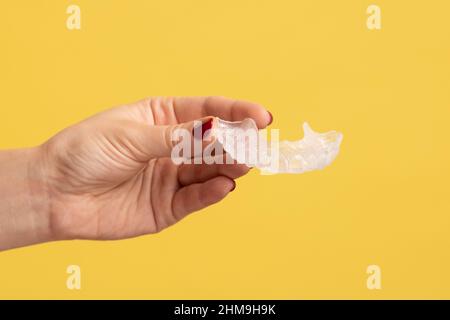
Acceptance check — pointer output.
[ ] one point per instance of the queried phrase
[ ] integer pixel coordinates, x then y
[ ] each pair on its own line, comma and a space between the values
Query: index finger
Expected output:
191, 108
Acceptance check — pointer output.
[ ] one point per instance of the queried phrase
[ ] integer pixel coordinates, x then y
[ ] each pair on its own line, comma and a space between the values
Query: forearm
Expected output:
24, 201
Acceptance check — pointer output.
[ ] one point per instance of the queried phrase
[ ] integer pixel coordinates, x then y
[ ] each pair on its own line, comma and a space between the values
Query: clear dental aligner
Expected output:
315, 151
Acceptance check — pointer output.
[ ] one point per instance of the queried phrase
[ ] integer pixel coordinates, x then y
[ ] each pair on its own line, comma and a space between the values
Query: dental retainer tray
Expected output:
245, 144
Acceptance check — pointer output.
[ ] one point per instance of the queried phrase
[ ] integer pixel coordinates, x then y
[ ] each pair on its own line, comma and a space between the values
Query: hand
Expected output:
111, 176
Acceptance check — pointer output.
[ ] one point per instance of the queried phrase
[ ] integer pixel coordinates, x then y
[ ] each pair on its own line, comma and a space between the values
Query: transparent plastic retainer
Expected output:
315, 151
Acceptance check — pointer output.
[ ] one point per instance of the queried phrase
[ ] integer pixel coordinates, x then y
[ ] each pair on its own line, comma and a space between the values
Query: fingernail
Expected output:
234, 186
205, 127
271, 118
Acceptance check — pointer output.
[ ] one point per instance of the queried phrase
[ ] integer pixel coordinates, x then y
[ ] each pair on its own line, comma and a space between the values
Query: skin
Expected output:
111, 176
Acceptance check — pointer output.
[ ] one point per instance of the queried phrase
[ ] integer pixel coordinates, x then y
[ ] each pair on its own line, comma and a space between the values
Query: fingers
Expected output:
200, 195
195, 173
187, 109
171, 113
166, 111
148, 141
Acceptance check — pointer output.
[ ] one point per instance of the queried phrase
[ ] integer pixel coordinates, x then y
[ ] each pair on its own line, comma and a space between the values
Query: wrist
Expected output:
25, 215
39, 192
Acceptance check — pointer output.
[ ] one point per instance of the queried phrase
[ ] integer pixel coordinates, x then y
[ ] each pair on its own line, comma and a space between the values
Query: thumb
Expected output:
157, 141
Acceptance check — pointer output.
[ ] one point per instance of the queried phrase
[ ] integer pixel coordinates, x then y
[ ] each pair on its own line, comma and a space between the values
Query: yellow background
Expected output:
385, 200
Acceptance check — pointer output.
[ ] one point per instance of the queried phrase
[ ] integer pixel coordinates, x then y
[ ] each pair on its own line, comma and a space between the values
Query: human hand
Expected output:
111, 176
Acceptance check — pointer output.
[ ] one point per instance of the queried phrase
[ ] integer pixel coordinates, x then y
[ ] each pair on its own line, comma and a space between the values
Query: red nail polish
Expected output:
206, 126
234, 186
271, 118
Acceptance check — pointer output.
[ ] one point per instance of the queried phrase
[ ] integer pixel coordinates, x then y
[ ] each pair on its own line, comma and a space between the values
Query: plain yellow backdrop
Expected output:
384, 201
